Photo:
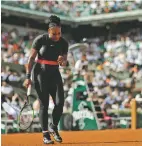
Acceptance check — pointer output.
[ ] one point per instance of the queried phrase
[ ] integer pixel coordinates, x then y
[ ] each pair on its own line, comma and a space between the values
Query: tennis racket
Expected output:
26, 115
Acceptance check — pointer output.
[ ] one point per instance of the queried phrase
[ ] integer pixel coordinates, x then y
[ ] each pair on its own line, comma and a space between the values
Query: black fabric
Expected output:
48, 49
47, 135
47, 81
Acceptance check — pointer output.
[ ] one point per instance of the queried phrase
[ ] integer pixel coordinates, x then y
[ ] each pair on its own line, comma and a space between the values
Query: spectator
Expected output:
82, 63
6, 89
127, 102
23, 59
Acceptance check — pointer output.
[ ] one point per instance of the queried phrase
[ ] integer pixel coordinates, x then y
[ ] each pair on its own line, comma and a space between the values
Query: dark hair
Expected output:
54, 21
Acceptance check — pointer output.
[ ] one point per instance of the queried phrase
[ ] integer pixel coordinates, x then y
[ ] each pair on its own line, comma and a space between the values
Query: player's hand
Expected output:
27, 83
60, 60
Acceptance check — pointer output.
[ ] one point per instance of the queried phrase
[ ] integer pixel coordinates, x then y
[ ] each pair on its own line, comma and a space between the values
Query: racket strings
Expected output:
26, 117
27, 113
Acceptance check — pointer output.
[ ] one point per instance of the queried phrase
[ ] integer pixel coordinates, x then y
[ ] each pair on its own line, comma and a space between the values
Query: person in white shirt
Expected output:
81, 63
6, 89
23, 59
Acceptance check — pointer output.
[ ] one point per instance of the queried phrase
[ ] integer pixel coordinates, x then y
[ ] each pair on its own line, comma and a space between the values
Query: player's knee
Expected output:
59, 107
43, 107
59, 103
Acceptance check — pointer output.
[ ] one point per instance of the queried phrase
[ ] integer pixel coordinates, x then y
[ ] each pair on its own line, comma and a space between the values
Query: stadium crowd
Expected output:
77, 8
103, 66
113, 72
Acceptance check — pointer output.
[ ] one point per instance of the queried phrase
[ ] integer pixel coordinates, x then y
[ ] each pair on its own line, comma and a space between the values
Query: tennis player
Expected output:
51, 51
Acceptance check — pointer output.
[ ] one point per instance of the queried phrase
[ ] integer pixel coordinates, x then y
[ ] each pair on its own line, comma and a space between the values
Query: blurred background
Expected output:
104, 71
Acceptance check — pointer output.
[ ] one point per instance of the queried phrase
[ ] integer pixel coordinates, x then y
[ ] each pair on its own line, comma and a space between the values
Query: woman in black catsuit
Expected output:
51, 51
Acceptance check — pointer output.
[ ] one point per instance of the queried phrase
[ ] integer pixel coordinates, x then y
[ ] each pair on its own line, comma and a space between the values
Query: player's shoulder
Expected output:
63, 40
45, 36
39, 37
42, 37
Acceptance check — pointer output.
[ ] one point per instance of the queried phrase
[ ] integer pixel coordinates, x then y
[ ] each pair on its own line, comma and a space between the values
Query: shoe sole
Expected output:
52, 142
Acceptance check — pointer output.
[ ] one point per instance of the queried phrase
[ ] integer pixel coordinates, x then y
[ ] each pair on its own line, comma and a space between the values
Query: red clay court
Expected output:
79, 138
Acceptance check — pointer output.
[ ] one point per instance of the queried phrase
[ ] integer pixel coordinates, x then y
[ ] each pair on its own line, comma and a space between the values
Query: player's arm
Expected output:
64, 63
62, 60
31, 60
33, 53
37, 43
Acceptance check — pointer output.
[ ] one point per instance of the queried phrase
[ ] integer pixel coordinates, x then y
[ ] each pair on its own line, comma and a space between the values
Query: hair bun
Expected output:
54, 19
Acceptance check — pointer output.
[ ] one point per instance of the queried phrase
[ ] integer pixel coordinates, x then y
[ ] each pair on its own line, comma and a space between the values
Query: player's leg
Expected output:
43, 97
57, 94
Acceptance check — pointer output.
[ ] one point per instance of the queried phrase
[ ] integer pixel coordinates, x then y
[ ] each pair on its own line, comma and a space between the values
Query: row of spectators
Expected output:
78, 8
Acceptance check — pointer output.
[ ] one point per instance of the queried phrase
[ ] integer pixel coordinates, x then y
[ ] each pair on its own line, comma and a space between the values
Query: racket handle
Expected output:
29, 90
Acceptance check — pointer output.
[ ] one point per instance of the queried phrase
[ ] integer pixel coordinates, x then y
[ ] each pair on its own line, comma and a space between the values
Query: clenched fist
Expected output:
27, 83
60, 59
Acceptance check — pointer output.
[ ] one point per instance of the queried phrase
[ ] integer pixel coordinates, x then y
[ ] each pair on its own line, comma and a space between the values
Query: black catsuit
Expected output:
47, 78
